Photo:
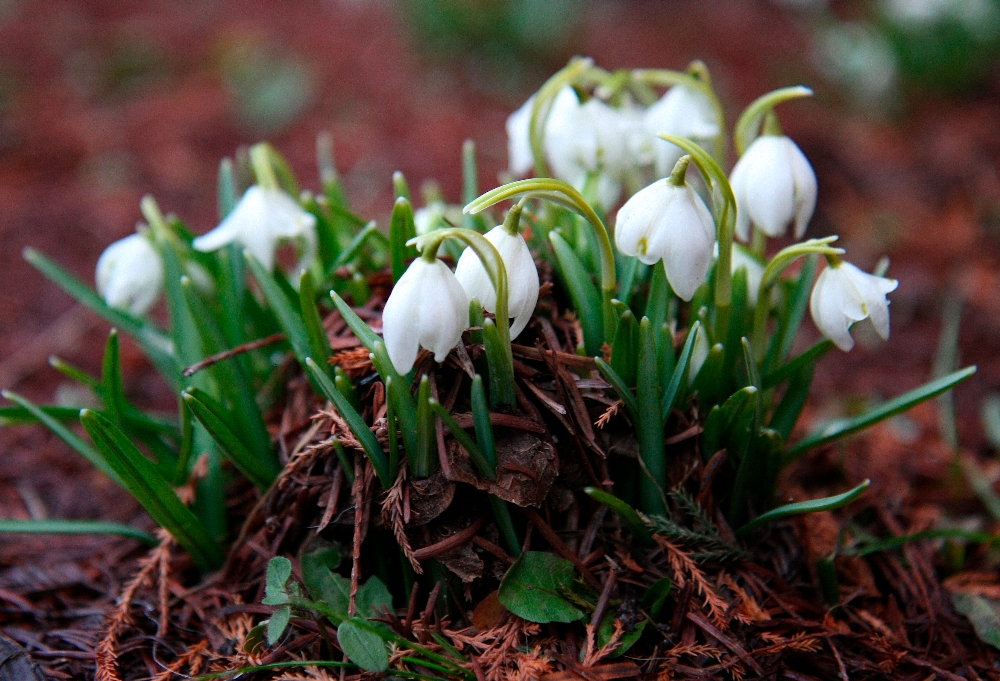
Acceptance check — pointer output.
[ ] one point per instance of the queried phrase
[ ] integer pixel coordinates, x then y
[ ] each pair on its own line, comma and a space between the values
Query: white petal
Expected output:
635, 220
687, 242
129, 274
754, 268
400, 317
770, 190
444, 310
738, 181
805, 187
872, 290
520, 160
684, 112
475, 281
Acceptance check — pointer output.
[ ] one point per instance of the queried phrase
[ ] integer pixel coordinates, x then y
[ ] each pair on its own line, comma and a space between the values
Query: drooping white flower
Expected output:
844, 294
520, 159
262, 219
522, 277
682, 111
671, 223
129, 274
430, 217
427, 308
774, 186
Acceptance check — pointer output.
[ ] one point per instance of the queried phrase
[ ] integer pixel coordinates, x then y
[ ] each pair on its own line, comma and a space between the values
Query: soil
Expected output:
103, 102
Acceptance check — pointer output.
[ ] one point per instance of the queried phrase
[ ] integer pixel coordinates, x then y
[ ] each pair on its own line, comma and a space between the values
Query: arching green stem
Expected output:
748, 125
778, 264
260, 159
725, 220
697, 78
428, 245
543, 106
565, 195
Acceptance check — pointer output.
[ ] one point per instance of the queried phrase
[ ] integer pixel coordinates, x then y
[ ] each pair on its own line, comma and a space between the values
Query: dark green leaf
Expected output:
586, 300
483, 426
354, 421
373, 598
401, 229
801, 507
621, 388
261, 471
535, 588
625, 351
277, 624
475, 453
319, 343
112, 386
425, 461
628, 514
501, 369
807, 358
75, 527
362, 647
150, 488
844, 427
786, 413
77, 443
656, 596
984, 613
649, 429
279, 570
680, 371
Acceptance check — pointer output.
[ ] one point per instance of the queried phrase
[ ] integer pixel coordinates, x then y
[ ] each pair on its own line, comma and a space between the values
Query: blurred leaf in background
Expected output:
508, 38
270, 88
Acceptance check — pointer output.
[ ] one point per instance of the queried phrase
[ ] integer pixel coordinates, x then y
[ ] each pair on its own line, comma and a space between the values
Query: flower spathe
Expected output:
774, 186
845, 294
522, 277
260, 221
427, 308
129, 274
671, 223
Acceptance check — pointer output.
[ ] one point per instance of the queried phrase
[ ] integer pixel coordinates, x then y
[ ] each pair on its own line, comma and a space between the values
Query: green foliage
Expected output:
539, 588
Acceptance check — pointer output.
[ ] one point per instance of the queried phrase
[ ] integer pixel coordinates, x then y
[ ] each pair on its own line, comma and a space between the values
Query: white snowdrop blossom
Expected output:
774, 186
844, 294
522, 277
427, 308
670, 223
129, 274
684, 112
430, 217
581, 140
259, 222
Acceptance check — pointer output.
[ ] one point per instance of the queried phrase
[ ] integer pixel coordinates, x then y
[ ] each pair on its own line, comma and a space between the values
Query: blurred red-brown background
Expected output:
102, 102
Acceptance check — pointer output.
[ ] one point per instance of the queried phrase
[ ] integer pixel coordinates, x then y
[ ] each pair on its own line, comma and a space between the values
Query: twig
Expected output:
232, 352
452, 542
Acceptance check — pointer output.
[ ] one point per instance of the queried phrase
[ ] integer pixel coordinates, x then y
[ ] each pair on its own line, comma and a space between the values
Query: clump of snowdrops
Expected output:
682, 312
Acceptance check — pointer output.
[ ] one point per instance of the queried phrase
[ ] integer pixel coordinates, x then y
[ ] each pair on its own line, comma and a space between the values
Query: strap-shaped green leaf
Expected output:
844, 427
156, 345
77, 443
74, 527
583, 293
649, 429
260, 470
352, 418
425, 461
639, 528
152, 490
475, 453
680, 371
483, 425
112, 386
621, 388
401, 230
801, 507
625, 351
319, 343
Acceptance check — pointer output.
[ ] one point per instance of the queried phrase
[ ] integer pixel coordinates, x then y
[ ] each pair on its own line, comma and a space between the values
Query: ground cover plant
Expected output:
593, 498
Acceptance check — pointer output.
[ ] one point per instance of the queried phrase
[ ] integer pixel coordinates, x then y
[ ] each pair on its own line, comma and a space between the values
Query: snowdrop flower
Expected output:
685, 112
522, 277
844, 294
520, 159
130, 274
428, 308
261, 219
774, 185
668, 221
430, 217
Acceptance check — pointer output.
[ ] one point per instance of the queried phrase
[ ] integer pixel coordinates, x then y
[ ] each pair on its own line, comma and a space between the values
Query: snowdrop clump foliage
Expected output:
660, 329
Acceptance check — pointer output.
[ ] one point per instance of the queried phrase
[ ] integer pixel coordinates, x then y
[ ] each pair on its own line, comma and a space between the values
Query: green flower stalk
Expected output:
565, 195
